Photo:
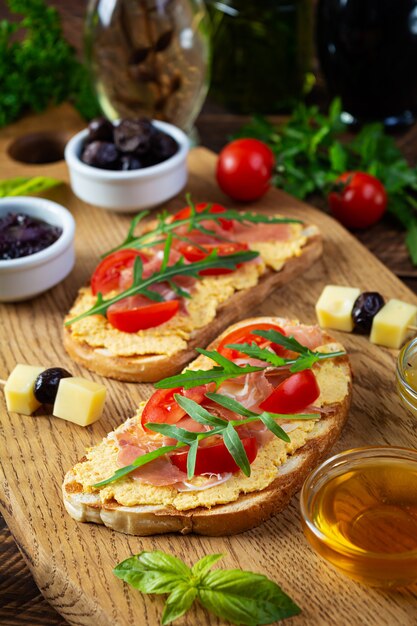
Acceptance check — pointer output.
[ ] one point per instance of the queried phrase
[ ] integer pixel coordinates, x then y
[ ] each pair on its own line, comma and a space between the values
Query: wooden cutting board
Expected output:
72, 563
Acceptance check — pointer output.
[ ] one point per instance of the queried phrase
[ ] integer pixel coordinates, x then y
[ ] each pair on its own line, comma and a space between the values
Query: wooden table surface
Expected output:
20, 601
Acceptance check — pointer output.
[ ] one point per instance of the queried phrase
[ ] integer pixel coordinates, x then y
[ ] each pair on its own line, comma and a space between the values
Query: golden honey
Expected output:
361, 515
406, 374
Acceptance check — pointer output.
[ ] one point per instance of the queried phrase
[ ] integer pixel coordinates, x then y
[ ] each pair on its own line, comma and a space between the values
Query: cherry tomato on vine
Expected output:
244, 335
358, 201
294, 394
244, 169
138, 313
194, 254
106, 276
216, 458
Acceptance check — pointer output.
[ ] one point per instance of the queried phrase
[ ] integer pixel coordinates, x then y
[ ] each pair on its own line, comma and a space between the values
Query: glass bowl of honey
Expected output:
359, 512
406, 374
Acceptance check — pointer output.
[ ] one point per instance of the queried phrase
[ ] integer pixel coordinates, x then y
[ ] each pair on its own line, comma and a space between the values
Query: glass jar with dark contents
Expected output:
22, 235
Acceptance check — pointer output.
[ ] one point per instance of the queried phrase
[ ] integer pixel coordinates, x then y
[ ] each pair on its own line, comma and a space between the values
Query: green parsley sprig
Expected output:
312, 150
238, 596
217, 426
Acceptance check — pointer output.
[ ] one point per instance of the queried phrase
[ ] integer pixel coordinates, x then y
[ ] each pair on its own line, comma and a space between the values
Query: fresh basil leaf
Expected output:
197, 412
234, 444
245, 598
205, 564
191, 459
153, 572
275, 428
179, 602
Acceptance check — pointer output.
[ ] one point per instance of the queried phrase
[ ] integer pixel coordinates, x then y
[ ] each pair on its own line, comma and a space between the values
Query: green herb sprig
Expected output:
168, 274
217, 425
22, 186
227, 369
195, 221
238, 596
38, 67
312, 150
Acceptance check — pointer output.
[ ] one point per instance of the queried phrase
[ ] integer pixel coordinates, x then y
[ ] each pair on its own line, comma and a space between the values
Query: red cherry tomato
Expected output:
244, 169
293, 395
194, 254
360, 202
244, 335
214, 208
106, 276
216, 458
162, 408
138, 313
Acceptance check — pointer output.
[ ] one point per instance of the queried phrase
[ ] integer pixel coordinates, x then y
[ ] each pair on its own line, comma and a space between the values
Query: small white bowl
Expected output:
28, 276
132, 190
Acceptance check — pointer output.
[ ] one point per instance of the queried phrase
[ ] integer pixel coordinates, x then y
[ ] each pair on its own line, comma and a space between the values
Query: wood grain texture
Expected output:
72, 563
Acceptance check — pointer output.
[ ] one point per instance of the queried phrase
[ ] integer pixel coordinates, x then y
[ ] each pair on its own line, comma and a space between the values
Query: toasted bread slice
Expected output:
245, 509
152, 367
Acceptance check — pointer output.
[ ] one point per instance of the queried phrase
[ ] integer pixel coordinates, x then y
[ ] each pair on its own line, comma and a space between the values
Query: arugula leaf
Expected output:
245, 598
191, 458
239, 596
234, 444
199, 413
22, 186
288, 342
230, 261
254, 351
275, 428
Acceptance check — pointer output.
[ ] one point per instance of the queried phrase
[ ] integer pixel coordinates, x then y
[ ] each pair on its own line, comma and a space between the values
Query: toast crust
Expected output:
248, 511
151, 368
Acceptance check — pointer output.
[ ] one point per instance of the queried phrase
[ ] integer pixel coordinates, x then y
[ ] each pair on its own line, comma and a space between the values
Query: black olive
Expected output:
365, 307
101, 154
133, 135
46, 384
21, 235
163, 146
100, 129
129, 162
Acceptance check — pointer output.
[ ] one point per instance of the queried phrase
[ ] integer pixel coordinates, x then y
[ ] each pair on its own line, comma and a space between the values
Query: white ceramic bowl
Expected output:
132, 190
21, 279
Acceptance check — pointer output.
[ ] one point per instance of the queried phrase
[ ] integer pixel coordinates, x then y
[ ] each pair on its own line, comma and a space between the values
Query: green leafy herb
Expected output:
140, 285
37, 65
165, 225
218, 426
21, 186
311, 151
238, 596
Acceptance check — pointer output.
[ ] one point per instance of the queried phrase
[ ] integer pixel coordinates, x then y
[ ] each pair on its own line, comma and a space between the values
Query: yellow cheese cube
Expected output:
390, 324
80, 401
18, 389
334, 307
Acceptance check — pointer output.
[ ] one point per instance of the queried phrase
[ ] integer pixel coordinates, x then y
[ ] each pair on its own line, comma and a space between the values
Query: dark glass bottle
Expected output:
368, 54
261, 53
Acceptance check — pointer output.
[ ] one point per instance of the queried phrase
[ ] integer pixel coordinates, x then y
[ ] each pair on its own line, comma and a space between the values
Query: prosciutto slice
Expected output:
256, 233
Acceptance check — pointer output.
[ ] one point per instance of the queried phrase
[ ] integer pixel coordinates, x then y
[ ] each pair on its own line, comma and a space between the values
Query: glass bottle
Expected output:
368, 55
261, 54
149, 57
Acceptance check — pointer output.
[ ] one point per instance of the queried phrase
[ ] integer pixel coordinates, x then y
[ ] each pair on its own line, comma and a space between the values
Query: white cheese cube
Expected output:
334, 307
79, 401
390, 324
18, 389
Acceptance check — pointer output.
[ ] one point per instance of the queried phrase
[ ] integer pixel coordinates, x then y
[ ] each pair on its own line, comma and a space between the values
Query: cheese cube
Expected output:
80, 401
390, 324
334, 307
18, 389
